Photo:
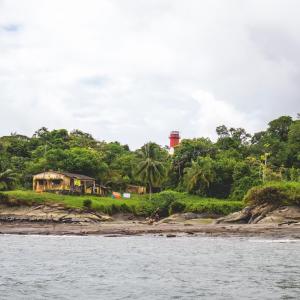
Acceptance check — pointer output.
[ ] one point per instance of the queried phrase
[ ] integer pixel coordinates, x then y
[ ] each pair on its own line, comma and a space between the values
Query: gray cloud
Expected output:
132, 71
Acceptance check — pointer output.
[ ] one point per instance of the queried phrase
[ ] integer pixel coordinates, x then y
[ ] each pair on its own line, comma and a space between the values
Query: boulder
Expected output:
51, 214
261, 211
180, 218
172, 219
190, 215
241, 217
170, 235
264, 214
284, 214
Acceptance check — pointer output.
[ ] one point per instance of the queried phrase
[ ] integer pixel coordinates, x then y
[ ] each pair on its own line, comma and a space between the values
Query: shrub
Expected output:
124, 208
278, 193
176, 207
163, 201
242, 186
115, 209
271, 195
138, 205
4, 198
87, 203
3, 186
214, 207
11, 201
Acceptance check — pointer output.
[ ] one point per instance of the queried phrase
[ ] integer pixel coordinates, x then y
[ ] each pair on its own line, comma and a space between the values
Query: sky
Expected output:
133, 70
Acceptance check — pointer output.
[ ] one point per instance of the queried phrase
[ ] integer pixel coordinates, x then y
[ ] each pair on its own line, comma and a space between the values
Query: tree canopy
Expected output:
228, 167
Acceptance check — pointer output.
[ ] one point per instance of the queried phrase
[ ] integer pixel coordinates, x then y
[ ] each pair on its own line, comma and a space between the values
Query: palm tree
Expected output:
7, 178
150, 168
200, 174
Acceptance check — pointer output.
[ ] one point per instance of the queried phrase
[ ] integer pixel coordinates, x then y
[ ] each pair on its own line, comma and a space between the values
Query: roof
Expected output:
103, 187
135, 186
77, 176
71, 175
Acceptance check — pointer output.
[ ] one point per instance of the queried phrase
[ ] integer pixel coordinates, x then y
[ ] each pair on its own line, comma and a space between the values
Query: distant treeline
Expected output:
227, 168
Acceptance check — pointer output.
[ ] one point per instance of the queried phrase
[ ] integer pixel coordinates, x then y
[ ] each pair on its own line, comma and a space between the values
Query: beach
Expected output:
120, 228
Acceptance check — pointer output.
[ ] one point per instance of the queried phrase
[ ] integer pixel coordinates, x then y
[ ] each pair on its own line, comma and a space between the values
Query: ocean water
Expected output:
148, 267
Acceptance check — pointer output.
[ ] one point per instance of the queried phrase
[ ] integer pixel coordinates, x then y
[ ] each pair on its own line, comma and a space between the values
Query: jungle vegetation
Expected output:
224, 169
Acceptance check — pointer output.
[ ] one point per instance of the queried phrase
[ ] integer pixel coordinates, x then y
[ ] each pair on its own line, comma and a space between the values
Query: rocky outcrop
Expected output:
282, 215
264, 214
188, 219
50, 214
180, 218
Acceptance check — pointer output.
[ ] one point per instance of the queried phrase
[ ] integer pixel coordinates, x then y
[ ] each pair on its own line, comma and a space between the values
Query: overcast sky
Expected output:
133, 70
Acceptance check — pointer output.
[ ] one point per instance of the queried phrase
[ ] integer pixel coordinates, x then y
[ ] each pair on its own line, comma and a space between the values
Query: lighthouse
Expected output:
174, 140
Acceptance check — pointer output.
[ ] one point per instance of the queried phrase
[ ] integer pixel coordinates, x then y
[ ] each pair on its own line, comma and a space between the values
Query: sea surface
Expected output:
148, 267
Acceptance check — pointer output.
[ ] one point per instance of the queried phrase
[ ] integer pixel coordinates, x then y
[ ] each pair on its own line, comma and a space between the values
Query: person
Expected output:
154, 216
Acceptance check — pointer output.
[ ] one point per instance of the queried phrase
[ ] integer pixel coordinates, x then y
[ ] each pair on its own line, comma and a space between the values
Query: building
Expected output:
64, 182
174, 140
136, 189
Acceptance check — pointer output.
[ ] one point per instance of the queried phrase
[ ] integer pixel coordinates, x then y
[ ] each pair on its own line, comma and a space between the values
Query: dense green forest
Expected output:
226, 168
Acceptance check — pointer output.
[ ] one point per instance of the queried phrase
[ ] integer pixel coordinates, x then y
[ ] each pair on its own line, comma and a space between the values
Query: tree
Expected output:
198, 165
246, 174
274, 141
279, 127
78, 138
85, 161
222, 131
18, 145
111, 151
294, 143
187, 151
7, 178
199, 175
257, 137
57, 137
223, 167
233, 138
151, 168
41, 133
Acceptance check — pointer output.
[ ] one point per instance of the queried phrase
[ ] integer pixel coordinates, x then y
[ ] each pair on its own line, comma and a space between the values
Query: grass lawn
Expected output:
138, 205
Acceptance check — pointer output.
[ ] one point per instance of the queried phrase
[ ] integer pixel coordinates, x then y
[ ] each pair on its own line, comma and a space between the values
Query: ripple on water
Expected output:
148, 267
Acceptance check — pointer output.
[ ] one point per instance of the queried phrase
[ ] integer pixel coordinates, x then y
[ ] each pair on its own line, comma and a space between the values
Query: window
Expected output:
56, 182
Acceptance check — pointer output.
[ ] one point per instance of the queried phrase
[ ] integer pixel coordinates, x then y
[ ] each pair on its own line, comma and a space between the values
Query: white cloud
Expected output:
213, 112
134, 70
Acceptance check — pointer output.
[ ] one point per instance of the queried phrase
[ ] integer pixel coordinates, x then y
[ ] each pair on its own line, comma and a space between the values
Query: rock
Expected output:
114, 235
170, 235
292, 212
264, 214
200, 221
106, 218
172, 219
285, 214
180, 218
240, 217
190, 215
271, 220
260, 211
50, 214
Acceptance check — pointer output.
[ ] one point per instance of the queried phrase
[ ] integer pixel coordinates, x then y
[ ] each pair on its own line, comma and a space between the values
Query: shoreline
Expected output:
291, 231
56, 220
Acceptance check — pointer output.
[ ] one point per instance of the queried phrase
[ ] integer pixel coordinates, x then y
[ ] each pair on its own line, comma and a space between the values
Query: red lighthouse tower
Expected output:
174, 139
